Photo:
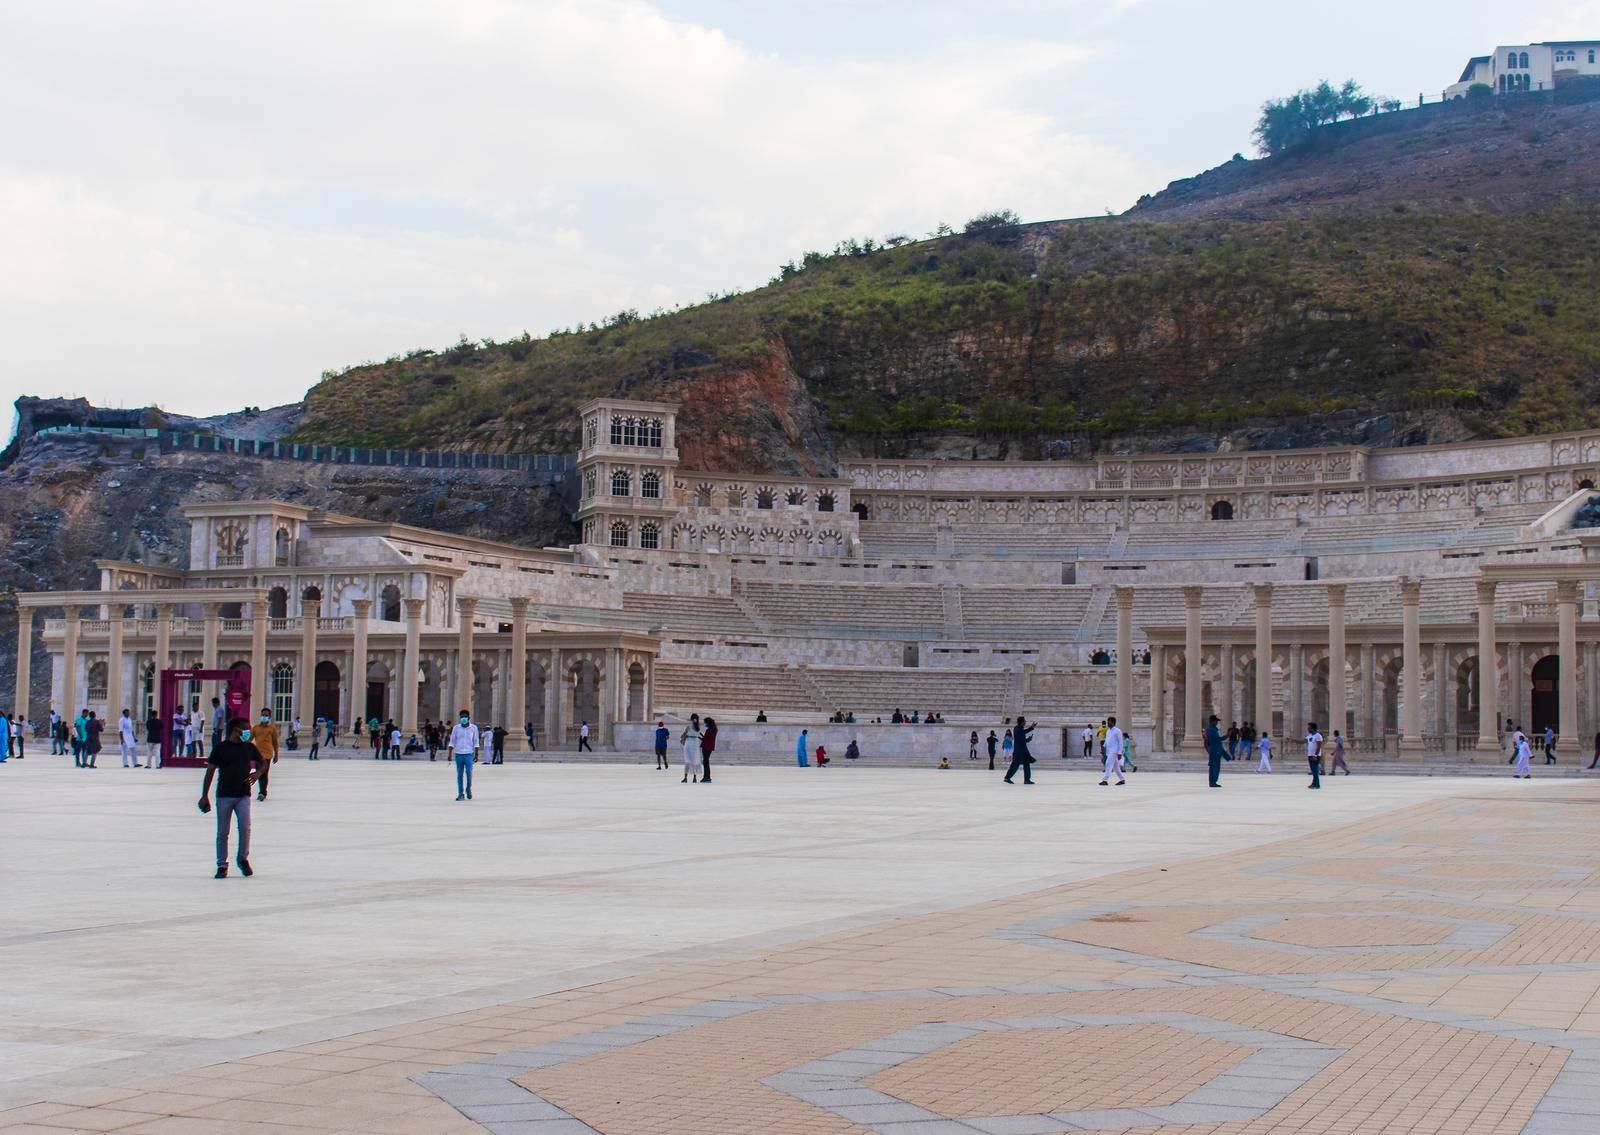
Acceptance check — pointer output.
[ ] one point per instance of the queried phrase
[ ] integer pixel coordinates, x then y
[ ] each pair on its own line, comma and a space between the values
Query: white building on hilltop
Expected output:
1529, 67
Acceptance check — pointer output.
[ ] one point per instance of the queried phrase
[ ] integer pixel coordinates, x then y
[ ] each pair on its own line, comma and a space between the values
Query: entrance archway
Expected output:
636, 708
1546, 695
1467, 696
585, 696
377, 696
325, 696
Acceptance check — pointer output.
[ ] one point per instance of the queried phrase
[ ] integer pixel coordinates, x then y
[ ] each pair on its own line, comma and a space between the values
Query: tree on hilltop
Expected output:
1288, 123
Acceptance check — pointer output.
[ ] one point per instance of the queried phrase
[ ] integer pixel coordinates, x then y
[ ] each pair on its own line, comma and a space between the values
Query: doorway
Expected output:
1546, 707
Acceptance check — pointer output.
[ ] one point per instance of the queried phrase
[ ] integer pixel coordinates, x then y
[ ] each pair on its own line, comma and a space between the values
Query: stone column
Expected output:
607, 695
69, 664
1441, 720
359, 623
516, 739
24, 660
1370, 725
163, 659
1158, 698
466, 609
1263, 718
211, 628
1567, 654
306, 679
1516, 703
1224, 697
410, 666
1294, 706
1124, 600
1411, 672
555, 723
1338, 695
1591, 719
1193, 729
260, 679
114, 667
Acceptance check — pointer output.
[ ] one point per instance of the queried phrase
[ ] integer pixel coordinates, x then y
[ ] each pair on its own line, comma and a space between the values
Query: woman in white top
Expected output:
691, 750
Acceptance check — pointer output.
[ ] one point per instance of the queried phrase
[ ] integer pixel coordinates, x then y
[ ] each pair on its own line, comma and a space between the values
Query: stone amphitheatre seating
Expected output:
1214, 538
896, 538
698, 687
1023, 612
874, 692
1042, 541
1334, 535
1163, 607
1502, 525
835, 609
712, 613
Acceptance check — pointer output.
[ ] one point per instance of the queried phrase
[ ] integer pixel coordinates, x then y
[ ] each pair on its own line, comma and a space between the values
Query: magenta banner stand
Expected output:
235, 696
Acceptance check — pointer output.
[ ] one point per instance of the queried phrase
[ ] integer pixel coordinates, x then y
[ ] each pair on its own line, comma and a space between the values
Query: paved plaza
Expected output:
603, 949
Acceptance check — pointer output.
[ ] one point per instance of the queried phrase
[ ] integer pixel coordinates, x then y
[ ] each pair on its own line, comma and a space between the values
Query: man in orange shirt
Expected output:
265, 738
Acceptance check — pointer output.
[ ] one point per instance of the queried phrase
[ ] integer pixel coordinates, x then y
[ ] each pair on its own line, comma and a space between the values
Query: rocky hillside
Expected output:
1427, 275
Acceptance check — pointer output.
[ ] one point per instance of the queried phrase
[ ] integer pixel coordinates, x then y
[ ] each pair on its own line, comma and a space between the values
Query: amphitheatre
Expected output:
1374, 580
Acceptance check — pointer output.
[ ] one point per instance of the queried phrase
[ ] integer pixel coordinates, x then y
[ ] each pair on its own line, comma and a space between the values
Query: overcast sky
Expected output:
204, 205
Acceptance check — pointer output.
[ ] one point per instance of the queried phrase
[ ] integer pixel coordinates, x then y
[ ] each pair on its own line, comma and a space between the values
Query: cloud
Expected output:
207, 205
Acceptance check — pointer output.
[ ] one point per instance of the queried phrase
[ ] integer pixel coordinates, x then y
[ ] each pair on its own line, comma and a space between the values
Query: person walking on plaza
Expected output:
219, 722
1233, 739
128, 740
690, 740
1021, 755
498, 735
583, 737
464, 743
19, 736
93, 727
152, 737
58, 746
395, 747
80, 738
1264, 747
1087, 737
972, 746
527, 731
1314, 754
1215, 753
1114, 745
265, 738
708, 745
993, 742
663, 735
230, 764
1549, 745
1338, 756
5, 738
1524, 755
314, 753
801, 753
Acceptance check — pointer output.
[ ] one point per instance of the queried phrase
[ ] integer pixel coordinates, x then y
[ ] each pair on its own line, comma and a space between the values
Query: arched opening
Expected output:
764, 498
825, 501
1545, 708
325, 698
1247, 691
282, 691
147, 692
309, 596
636, 706
860, 509
702, 496
649, 534
533, 699
376, 702
619, 534
585, 696
97, 682
1222, 510
1319, 699
1586, 483
429, 693
389, 610
650, 486
620, 483
280, 547
1468, 697
483, 676
795, 497
1391, 697
278, 603
231, 612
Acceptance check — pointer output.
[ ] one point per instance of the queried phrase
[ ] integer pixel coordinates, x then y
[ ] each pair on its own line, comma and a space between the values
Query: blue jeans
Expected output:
463, 774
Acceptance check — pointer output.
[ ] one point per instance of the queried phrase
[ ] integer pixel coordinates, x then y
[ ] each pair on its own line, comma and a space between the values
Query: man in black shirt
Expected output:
234, 765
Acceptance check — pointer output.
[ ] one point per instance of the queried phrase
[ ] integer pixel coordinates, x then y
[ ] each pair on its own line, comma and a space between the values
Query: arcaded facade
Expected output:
1371, 582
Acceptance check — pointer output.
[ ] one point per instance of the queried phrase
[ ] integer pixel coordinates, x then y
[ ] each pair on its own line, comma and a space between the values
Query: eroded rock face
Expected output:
64, 505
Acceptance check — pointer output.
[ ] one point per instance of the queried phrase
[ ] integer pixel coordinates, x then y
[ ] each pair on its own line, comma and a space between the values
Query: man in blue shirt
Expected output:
1214, 752
663, 735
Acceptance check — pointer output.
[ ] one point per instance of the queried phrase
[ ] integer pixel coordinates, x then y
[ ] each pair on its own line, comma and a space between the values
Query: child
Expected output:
944, 762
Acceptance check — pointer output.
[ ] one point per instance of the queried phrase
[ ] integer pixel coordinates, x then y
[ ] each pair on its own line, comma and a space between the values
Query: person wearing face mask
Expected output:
464, 743
229, 765
265, 738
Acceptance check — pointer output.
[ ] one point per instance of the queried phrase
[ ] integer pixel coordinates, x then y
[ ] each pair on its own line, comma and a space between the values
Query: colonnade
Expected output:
1575, 671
